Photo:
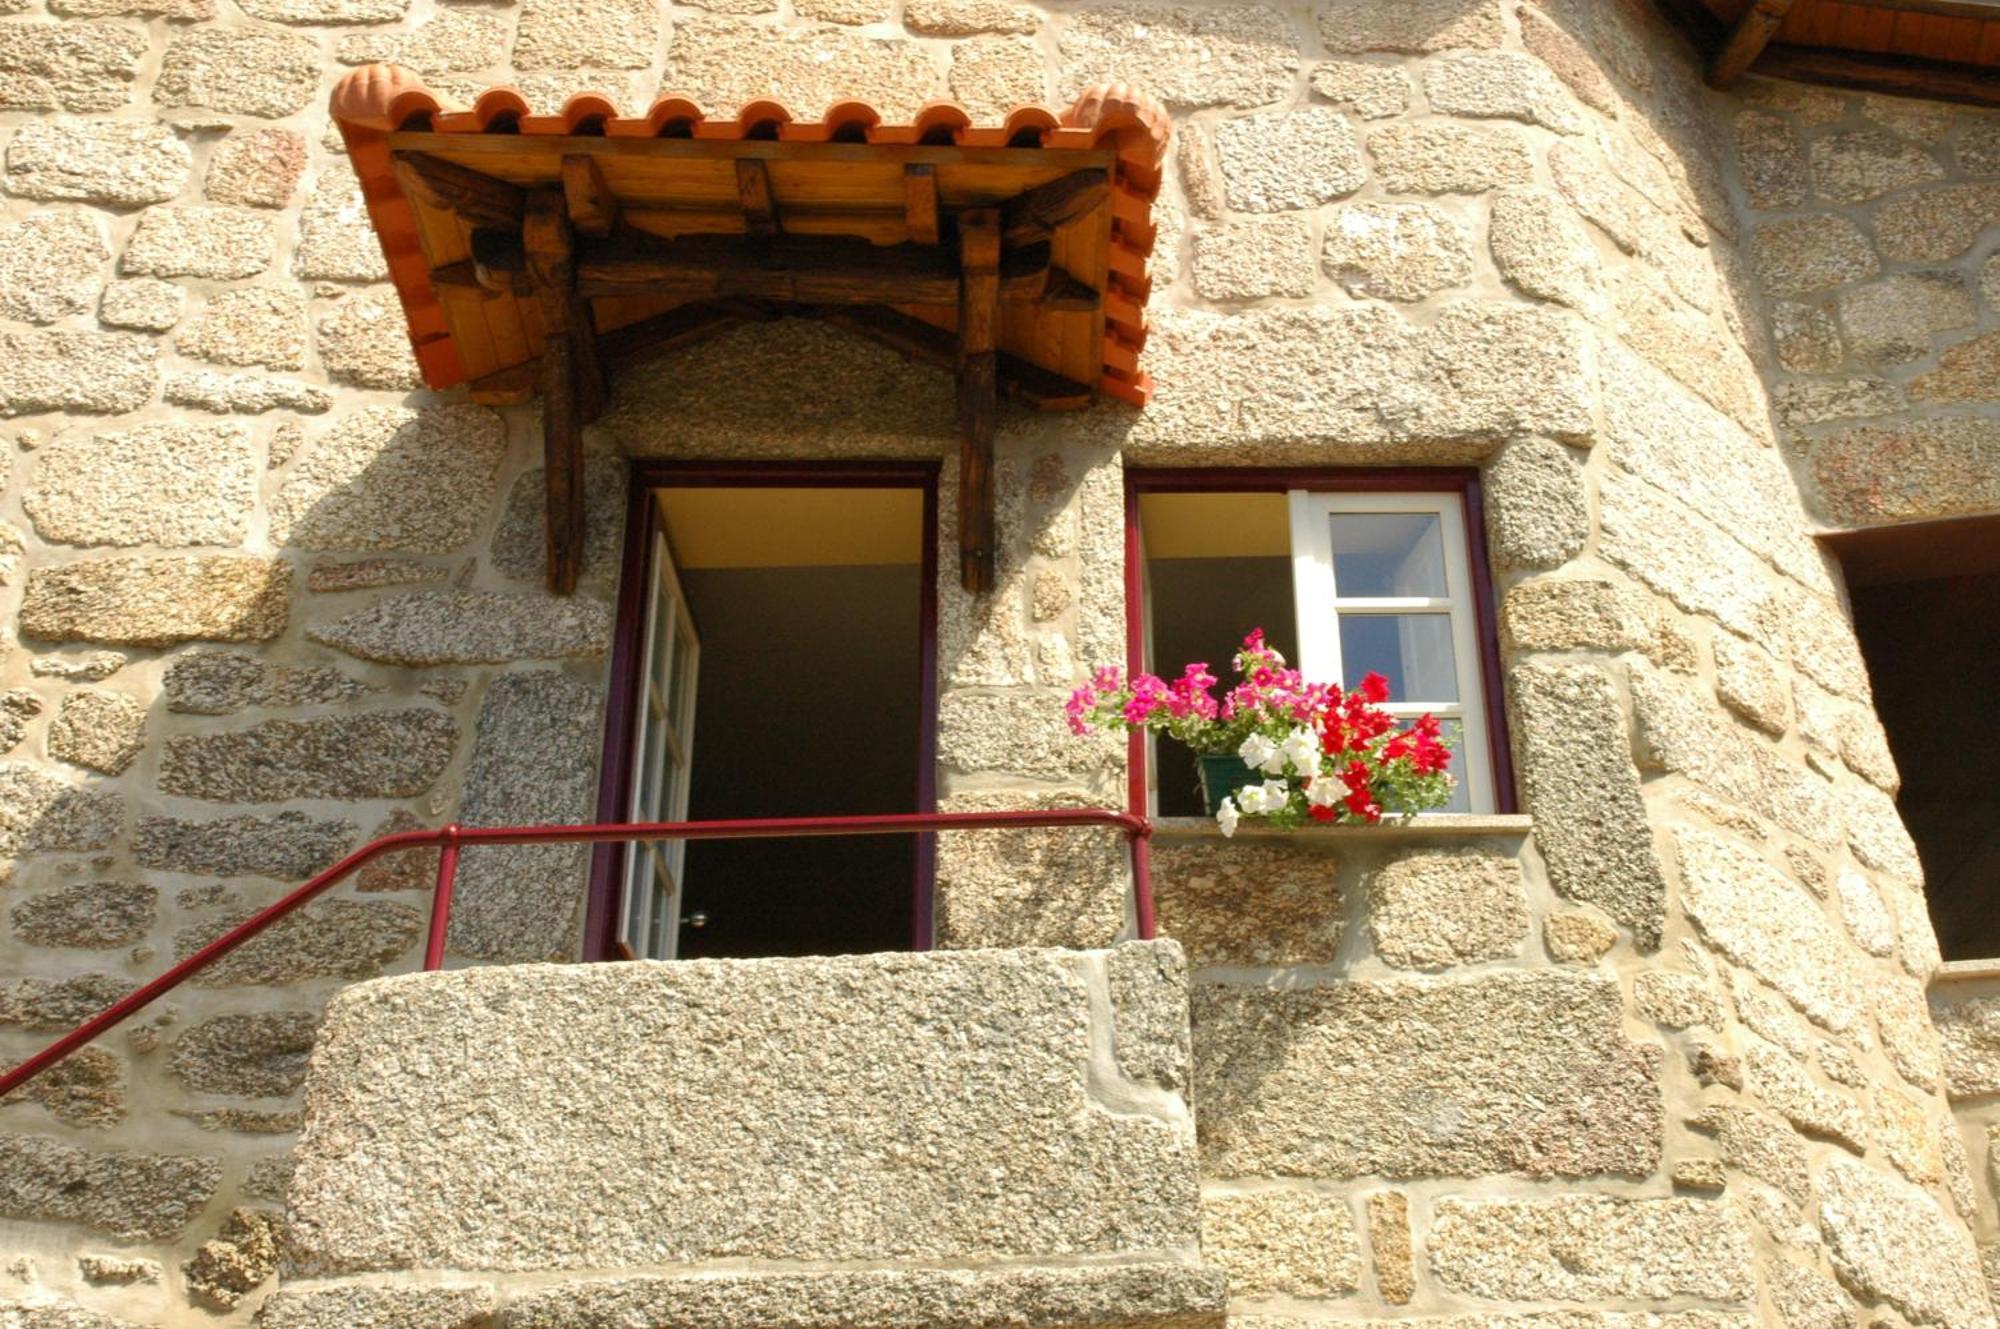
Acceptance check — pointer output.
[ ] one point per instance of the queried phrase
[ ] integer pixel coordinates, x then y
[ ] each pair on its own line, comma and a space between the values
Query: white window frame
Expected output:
1315, 593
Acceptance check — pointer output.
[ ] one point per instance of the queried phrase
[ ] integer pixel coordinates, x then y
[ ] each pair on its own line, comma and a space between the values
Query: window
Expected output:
1346, 577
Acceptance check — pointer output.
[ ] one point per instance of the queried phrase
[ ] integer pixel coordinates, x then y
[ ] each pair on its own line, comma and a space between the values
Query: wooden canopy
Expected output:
535, 252
1946, 49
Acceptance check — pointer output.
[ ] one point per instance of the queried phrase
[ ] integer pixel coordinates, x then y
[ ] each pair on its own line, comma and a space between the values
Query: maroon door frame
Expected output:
607, 868
1460, 480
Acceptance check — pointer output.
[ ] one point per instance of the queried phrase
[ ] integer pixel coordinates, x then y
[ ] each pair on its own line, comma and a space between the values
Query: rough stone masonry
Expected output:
1653, 1056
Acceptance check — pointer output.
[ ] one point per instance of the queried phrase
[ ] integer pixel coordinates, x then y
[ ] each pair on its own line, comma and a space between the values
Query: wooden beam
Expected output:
753, 189
1069, 294
1034, 216
810, 270
570, 376
499, 262
507, 387
480, 199
562, 464
593, 208
1896, 75
978, 394
1760, 22
1023, 380
550, 248
680, 326
920, 202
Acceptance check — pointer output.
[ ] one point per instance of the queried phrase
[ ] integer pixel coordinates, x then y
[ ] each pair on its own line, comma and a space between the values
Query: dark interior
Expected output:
807, 705
1200, 610
1930, 643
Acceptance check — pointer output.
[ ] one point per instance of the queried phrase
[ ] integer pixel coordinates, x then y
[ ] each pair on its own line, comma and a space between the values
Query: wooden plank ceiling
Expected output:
534, 253
1943, 49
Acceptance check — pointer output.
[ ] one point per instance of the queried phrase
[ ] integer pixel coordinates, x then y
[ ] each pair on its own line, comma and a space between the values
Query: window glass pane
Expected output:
1413, 651
1461, 794
1388, 553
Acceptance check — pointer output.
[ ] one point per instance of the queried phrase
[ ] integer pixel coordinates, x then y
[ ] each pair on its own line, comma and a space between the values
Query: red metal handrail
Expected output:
449, 840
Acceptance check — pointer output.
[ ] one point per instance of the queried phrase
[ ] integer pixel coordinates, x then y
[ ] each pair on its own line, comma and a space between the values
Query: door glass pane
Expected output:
638, 872
651, 763
678, 709
666, 640
1388, 553
656, 934
1413, 651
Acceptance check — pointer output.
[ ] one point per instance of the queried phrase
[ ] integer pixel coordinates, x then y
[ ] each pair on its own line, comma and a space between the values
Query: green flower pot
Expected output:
1221, 776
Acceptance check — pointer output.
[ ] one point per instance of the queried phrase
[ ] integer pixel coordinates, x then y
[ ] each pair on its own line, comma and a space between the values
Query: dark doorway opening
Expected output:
795, 679
1926, 604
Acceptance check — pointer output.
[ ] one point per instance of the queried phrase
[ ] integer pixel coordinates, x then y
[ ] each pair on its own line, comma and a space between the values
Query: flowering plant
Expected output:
1326, 755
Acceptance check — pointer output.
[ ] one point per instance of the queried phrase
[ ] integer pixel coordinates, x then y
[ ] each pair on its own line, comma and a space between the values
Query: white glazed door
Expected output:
663, 749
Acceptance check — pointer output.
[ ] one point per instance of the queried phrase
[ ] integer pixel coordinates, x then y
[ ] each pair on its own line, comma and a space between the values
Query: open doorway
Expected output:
1925, 599
781, 667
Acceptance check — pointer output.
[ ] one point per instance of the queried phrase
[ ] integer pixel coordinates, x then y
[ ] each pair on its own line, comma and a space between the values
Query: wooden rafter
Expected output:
1746, 41
1022, 380
479, 198
593, 208
920, 202
753, 189
811, 270
978, 392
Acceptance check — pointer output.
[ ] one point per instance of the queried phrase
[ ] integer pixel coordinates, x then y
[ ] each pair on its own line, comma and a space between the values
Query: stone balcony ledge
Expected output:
972, 1137
1148, 1294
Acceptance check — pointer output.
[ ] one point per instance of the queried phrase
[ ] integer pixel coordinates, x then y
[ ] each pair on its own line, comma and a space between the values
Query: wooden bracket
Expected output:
920, 202
978, 394
572, 380
753, 190
593, 208
1760, 22
479, 198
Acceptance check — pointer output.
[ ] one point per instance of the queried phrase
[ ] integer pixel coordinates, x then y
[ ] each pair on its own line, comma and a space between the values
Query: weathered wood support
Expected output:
753, 190
920, 202
978, 394
572, 380
480, 199
811, 270
1022, 380
1032, 217
1760, 22
593, 208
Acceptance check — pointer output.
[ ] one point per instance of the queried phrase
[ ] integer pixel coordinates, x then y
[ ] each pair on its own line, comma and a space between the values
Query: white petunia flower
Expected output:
1301, 749
1250, 798
1226, 816
1323, 791
1276, 794
1258, 752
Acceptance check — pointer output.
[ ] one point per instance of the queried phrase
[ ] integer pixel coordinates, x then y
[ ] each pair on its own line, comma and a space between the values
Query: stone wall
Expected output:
1872, 241
269, 599
1966, 1007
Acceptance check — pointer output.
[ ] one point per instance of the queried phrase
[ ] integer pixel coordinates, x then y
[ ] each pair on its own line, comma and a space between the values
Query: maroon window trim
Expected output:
614, 792
1460, 480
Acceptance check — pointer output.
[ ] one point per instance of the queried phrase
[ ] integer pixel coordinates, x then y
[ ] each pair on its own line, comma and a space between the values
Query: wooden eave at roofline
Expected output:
1752, 45
534, 254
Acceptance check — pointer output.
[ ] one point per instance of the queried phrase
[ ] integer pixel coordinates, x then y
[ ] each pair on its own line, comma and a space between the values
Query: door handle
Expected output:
697, 919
